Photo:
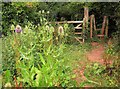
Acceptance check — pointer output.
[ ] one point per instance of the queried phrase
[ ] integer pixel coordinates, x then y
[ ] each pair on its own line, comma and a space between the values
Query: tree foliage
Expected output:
22, 12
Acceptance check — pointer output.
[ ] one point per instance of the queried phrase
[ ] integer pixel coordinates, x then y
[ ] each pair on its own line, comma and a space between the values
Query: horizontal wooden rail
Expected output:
67, 22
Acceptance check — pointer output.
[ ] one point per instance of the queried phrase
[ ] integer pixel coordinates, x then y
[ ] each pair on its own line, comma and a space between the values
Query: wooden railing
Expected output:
103, 29
62, 22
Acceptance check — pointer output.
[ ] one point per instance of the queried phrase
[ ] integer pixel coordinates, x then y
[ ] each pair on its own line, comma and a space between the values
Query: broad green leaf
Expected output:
7, 75
42, 59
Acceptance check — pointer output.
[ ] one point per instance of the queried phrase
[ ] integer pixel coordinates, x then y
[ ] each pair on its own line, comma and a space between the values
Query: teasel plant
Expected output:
16, 32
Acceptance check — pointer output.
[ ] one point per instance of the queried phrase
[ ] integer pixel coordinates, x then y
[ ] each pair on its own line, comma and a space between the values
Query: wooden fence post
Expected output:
94, 23
103, 25
91, 28
86, 16
106, 29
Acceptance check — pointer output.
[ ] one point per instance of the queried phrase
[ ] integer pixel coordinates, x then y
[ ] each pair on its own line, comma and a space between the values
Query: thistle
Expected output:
60, 31
18, 29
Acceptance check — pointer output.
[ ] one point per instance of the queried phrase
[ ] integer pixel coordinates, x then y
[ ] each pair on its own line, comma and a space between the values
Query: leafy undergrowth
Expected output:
94, 74
98, 76
32, 59
105, 74
37, 59
0, 62
75, 53
74, 56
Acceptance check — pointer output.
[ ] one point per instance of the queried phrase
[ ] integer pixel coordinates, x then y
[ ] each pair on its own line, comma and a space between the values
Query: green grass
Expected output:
0, 50
98, 77
73, 54
0, 62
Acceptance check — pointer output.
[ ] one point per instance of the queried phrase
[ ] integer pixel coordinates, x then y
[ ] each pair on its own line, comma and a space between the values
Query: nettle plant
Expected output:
33, 59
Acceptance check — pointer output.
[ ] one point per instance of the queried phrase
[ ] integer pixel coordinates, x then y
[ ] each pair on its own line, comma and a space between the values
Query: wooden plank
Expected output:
58, 22
86, 16
79, 39
78, 33
91, 25
94, 23
106, 30
83, 24
83, 28
78, 27
103, 25
100, 35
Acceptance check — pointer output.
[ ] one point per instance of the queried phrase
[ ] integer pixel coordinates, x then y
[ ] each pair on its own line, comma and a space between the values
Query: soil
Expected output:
95, 55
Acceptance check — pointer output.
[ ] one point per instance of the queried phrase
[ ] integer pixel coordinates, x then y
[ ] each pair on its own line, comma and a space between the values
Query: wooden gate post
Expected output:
92, 22
91, 26
106, 30
103, 24
86, 16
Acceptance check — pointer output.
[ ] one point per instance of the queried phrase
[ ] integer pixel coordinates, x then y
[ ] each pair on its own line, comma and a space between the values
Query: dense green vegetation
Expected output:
58, 11
43, 56
0, 62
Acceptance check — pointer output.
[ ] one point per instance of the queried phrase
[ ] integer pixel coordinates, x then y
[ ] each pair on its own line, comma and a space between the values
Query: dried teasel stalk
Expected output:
60, 31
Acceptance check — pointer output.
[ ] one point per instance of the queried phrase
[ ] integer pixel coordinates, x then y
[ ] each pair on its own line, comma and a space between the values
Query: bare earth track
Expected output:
95, 55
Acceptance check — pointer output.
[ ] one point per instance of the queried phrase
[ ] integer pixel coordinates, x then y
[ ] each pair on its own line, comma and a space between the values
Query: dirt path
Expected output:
95, 55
